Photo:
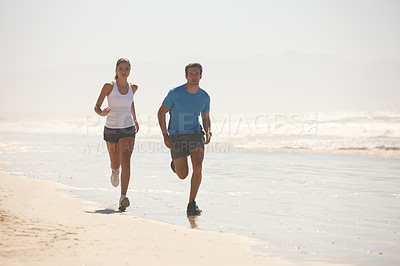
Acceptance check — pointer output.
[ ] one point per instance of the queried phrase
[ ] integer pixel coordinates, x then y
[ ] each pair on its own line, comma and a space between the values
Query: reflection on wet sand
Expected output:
192, 221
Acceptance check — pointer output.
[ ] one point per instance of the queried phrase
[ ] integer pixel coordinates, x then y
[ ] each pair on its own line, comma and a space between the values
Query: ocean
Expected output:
309, 186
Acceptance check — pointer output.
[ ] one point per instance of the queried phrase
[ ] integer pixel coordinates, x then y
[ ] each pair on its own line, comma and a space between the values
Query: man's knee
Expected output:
197, 156
181, 167
197, 164
182, 171
183, 174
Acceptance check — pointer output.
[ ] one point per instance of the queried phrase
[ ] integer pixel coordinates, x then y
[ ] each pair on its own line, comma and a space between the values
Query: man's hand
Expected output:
208, 138
168, 141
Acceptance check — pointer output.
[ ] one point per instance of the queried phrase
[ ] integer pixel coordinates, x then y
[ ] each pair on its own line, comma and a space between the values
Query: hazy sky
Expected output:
258, 55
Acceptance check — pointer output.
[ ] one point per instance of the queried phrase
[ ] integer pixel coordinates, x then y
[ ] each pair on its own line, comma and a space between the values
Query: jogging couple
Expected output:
184, 136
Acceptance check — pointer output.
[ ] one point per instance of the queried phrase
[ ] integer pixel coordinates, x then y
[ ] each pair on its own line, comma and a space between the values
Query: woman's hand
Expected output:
105, 111
136, 126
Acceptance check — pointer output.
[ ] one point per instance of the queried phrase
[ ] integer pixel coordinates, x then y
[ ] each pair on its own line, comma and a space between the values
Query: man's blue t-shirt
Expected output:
184, 110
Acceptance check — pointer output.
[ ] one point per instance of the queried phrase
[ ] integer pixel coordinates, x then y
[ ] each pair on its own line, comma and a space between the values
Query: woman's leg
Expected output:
113, 152
125, 147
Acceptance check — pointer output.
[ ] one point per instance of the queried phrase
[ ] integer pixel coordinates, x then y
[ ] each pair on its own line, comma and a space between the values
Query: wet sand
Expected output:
41, 226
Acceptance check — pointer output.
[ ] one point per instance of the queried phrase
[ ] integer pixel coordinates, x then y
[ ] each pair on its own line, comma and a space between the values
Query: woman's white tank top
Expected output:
120, 104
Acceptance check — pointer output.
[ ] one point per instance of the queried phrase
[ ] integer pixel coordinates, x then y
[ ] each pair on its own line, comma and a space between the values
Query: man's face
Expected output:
193, 76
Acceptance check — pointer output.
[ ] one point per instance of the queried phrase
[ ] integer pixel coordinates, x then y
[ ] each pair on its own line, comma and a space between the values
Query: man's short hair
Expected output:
192, 65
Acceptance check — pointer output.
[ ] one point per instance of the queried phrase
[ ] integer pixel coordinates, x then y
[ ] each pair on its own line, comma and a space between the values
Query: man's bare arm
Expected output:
163, 125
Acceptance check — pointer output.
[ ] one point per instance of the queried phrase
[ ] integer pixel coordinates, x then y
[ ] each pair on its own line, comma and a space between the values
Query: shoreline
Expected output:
361, 153
36, 231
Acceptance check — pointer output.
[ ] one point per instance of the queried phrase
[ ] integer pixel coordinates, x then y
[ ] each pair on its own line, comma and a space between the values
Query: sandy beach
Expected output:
41, 226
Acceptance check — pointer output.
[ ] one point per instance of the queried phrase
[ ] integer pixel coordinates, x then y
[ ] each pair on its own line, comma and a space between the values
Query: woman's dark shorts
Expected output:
182, 145
113, 135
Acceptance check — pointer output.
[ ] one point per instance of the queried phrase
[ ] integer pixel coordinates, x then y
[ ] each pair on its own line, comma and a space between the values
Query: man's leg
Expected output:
197, 156
179, 151
181, 167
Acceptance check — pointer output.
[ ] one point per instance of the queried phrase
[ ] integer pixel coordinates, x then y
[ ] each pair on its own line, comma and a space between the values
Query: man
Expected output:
185, 136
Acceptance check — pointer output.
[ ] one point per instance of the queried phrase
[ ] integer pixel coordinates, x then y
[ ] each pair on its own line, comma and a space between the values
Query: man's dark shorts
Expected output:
113, 135
182, 145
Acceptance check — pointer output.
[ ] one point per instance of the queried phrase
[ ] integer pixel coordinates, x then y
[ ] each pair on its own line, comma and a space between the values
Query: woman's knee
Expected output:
125, 163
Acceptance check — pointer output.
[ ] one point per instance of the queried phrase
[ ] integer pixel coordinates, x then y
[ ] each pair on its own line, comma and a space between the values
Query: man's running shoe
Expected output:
114, 178
123, 203
193, 209
173, 166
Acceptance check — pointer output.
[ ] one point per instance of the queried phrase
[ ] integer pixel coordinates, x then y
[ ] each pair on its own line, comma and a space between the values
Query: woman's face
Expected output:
123, 70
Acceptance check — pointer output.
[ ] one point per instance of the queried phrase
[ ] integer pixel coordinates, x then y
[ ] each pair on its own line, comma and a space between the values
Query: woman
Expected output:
121, 126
